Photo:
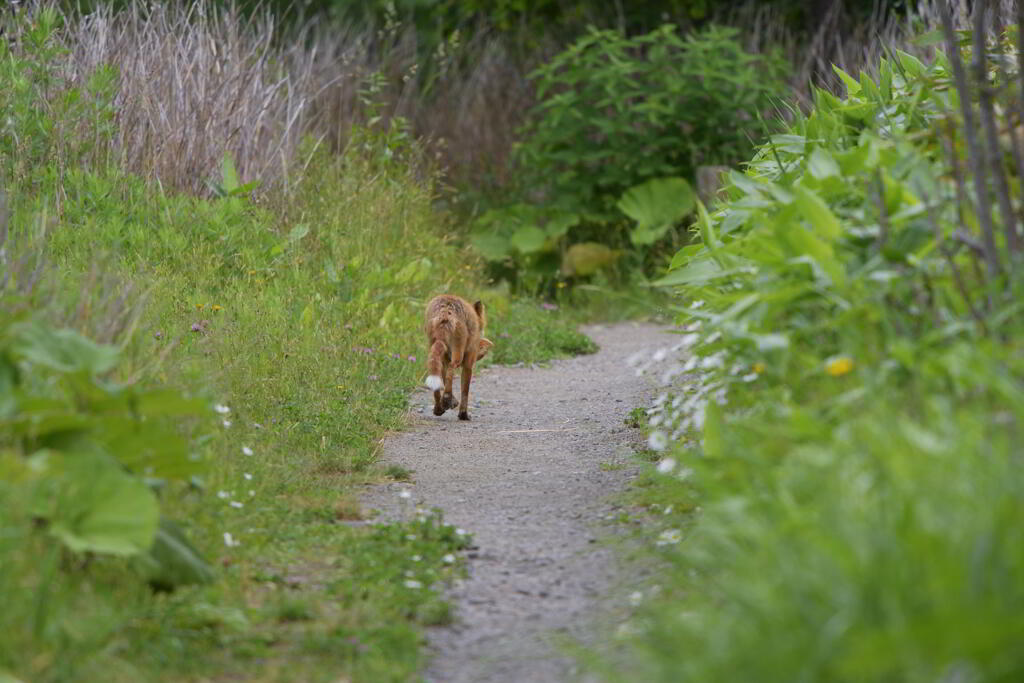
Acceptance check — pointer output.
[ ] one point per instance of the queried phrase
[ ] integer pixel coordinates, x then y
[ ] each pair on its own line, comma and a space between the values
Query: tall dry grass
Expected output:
852, 45
196, 83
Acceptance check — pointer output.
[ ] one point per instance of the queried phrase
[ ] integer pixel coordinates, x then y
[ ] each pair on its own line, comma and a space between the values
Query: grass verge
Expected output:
301, 318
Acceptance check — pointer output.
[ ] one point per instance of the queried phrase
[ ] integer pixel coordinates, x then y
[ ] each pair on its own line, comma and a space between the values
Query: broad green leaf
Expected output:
852, 86
560, 224
707, 231
695, 273
656, 205
822, 165
61, 350
101, 509
298, 232
491, 246
151, 447
817, 213
587, 258
745, 183
172, 561
808, 243
529, 239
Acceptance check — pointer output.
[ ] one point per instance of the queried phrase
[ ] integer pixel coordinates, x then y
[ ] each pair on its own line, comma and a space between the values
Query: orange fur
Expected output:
454, 339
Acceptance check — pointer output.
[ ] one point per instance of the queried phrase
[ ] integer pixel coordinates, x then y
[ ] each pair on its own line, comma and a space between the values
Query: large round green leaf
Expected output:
656, 205
99, 508
529, 239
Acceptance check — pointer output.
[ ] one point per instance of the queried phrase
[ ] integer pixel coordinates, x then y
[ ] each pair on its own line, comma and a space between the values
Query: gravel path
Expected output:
531, 478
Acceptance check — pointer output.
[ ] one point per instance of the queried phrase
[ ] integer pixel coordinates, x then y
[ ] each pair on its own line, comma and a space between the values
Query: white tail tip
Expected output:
434, 382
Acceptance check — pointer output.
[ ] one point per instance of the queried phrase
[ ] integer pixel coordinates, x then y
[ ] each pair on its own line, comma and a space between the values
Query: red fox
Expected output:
455, 337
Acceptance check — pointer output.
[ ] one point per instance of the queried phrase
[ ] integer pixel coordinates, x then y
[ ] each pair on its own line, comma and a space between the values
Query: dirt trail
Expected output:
531, 478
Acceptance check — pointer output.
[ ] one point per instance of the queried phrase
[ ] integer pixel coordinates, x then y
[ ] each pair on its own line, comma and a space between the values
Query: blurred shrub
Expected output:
621, 126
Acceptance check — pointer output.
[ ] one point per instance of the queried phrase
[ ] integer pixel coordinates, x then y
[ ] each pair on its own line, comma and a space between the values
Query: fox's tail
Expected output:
437, 351
441, 328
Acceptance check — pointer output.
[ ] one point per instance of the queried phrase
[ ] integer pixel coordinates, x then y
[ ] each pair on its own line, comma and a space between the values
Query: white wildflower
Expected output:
635, 598
658, 441
670, 374
669, 537
416, 558
226, 423
222, 409
448, 559
668, 510
223, 495
715, 360
251, 492
247, 476
666, 465
749, 377
697, 304
246, 450
230, 541
459, 531
627, 629
698, 418
235, 504
412, 583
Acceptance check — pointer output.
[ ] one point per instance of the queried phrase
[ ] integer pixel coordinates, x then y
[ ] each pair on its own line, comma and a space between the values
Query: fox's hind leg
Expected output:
447, 401
467, 377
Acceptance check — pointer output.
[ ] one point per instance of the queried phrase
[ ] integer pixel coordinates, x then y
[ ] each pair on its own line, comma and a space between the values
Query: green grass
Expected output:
303, 315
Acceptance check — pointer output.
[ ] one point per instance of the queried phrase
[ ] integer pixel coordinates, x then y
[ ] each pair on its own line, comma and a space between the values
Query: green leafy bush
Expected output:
94, 454
621, 127
840, 467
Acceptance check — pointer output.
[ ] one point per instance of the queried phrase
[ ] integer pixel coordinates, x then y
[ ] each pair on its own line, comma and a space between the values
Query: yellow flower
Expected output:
561, 285
199, 307
839, 366
215, 307
758, 368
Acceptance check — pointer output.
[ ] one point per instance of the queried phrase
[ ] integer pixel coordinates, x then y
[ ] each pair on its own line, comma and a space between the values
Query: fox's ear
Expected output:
484, 347
479, 307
